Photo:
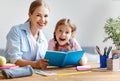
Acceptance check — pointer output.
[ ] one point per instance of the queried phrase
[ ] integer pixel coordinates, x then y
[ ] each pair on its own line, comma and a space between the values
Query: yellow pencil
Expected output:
65, 74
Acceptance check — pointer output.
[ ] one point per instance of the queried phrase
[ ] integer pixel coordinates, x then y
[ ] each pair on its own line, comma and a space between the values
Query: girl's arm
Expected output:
76, 46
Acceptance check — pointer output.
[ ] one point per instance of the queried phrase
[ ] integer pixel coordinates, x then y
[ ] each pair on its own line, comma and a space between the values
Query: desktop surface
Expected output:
94, 74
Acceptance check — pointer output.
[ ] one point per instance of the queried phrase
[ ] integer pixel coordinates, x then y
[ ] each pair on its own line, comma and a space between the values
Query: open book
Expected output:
61, 59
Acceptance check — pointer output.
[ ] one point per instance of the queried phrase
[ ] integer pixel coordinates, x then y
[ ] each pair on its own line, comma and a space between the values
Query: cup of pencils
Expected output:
103, 56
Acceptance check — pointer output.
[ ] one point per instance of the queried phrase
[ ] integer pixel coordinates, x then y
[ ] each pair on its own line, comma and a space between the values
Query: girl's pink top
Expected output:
52, 42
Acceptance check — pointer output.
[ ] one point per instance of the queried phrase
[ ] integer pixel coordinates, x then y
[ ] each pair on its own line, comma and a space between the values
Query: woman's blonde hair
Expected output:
68, 23
35, 4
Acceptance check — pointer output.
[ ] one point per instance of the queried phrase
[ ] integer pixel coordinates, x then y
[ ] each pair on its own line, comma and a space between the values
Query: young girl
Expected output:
64, 38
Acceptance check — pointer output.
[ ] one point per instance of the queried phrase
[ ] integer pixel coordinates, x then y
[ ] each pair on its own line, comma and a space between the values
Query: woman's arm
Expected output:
40, 64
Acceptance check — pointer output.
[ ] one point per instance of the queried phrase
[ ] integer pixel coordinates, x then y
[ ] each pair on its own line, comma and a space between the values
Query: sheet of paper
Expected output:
44, 73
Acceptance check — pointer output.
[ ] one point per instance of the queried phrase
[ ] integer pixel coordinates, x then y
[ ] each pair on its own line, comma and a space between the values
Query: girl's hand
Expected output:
42, 63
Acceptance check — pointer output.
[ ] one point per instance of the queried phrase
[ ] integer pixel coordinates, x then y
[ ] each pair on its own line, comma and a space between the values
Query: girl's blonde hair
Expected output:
35, 4
68, 23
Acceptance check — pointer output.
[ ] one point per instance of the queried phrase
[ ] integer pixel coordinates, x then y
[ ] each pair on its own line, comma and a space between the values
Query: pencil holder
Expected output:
113, 64
103, 61
17, 72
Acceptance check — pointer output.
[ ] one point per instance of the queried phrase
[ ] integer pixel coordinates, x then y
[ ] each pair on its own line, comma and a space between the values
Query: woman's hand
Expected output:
42, 63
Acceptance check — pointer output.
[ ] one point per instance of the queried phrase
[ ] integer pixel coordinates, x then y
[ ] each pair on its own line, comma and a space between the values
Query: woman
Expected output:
26, 44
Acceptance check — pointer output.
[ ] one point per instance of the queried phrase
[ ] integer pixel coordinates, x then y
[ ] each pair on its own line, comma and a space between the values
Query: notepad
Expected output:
62, 59
8, 65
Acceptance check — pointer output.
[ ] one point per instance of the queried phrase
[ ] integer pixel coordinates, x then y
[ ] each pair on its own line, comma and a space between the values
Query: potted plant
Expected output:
112, 28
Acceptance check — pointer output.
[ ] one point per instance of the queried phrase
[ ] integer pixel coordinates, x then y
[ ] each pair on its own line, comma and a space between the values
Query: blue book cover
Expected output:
61, 59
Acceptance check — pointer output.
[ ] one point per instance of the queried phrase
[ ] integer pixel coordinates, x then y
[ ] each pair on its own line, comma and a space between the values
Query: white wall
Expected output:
12, 12
88, 15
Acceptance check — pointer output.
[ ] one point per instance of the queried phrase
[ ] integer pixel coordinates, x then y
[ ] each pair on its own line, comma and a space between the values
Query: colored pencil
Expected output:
98, 50
108, 51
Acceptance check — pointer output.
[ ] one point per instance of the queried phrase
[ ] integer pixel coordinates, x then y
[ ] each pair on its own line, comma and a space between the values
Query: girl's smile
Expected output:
62, 39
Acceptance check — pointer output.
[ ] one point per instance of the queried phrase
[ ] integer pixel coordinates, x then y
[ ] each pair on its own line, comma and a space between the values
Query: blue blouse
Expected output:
19, 44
